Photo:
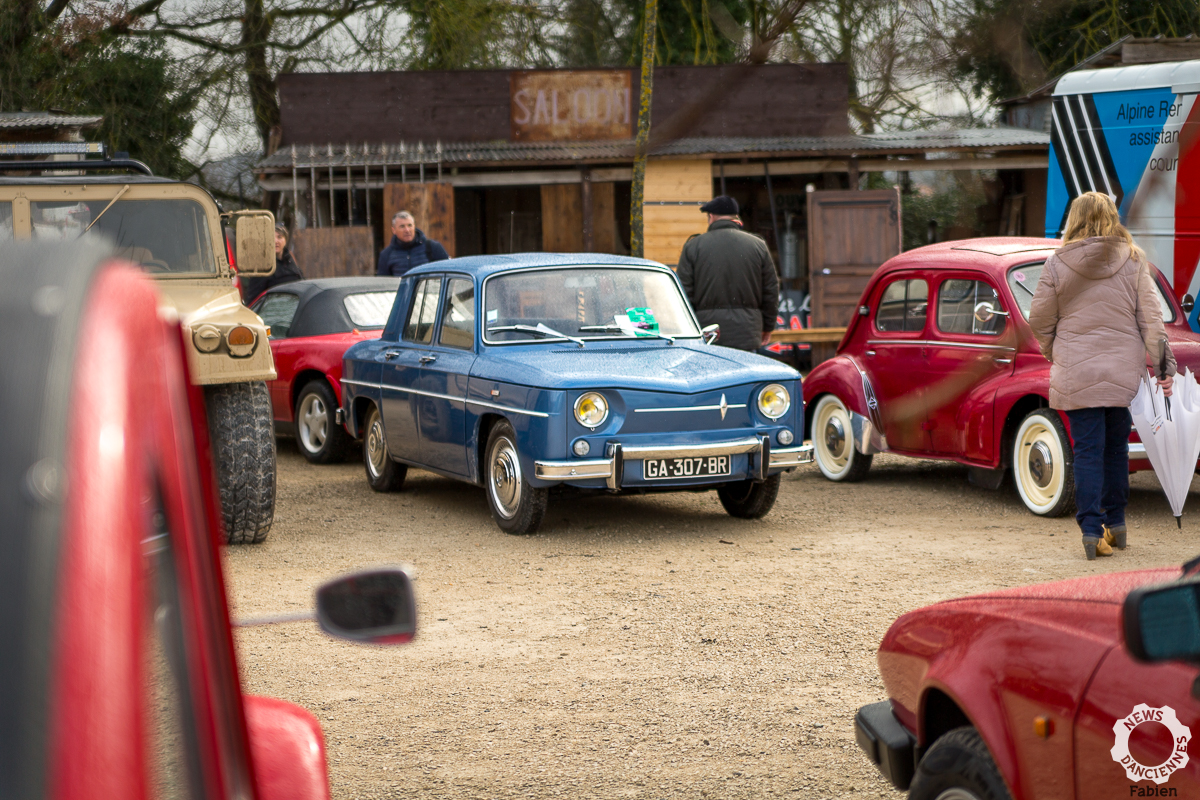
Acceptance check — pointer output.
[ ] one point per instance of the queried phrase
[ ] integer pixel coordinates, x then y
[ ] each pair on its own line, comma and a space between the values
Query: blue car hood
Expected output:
683, 367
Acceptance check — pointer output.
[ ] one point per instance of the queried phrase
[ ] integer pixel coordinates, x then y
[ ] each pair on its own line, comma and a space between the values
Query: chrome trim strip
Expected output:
932, 343
792, 456
691, 450
452, 398
573, 470
688, 408
1137, 450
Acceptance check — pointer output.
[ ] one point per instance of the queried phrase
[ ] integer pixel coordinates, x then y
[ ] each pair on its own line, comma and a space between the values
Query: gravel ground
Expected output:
640, 647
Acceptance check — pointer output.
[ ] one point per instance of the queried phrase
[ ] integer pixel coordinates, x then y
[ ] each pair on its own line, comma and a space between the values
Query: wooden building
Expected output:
496, 161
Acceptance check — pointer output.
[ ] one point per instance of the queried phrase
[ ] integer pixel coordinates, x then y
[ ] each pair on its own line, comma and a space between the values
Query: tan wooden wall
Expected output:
671, 205
332, 252
431, 204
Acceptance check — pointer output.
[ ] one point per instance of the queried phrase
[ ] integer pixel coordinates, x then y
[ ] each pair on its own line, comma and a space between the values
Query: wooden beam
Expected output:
809, 335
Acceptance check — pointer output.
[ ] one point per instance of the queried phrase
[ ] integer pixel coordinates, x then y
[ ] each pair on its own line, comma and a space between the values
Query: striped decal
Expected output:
1077, 140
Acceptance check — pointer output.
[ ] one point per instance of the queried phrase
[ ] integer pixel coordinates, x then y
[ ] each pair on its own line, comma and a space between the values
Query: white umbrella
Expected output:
1170, 430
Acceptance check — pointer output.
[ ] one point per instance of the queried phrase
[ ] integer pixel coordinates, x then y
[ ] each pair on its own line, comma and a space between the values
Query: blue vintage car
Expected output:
528, 372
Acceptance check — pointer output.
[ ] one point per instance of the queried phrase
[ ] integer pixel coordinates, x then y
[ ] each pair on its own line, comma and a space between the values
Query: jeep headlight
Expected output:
774, 401
207, 338
241, 341
591, 409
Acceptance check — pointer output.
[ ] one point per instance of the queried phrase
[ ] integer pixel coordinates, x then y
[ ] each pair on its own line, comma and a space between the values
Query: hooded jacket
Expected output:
399, 257
1096, 316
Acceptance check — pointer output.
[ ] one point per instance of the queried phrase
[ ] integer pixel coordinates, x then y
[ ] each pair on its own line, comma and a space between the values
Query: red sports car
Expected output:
312, 324
940, 362
118, 677
1082, 689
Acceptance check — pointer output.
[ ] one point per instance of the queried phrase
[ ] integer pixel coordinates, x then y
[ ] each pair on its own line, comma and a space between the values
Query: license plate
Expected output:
660, 468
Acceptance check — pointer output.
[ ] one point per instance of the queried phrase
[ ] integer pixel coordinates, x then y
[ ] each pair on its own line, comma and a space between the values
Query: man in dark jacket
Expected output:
730, 278
409, 247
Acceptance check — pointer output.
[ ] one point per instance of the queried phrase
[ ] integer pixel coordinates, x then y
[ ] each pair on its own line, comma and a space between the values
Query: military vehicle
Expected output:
177, 233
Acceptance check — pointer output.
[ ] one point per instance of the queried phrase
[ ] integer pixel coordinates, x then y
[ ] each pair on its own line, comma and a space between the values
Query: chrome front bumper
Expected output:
612, 469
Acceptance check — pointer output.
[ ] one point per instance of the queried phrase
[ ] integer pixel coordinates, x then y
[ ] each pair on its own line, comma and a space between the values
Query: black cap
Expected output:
722, 206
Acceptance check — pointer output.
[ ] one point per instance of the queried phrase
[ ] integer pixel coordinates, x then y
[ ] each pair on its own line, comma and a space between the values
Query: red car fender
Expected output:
289, 750
839, 376
315, 354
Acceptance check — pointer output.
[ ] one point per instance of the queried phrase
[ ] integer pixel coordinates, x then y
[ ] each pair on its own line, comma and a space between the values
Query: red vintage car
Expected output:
940, 362
1084, 689
118, 676
313, 323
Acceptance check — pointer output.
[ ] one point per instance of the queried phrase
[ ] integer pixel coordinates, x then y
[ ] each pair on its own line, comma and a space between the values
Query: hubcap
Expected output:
313, 423
376, 449
1041, 464
830, 437
957, 793
505, 482
835, 436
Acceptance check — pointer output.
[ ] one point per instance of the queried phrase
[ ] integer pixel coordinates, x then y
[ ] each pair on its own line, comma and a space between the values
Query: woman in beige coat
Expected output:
1096, 315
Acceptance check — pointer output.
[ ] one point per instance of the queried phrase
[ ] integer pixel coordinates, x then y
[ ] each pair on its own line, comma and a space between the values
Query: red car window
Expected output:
968, 307
903, 306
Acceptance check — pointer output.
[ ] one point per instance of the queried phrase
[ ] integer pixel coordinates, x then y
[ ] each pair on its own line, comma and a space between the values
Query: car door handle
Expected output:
390, 354
999, 360
870, 352
427, 359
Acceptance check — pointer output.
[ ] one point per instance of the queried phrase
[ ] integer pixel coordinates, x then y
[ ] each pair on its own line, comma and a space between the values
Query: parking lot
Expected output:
639, 646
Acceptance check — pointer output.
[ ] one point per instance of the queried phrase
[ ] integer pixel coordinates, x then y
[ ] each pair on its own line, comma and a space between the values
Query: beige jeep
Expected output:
176, 233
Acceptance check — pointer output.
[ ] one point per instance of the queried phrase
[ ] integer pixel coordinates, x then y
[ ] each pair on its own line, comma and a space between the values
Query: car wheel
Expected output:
1042, 467
958, 767
833, 443
750, 500
517, 507
318, 435
242, 433
384, 474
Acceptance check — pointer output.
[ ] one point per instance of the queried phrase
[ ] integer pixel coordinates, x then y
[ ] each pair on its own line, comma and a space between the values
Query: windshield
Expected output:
1023, 281
163, 236
586, 302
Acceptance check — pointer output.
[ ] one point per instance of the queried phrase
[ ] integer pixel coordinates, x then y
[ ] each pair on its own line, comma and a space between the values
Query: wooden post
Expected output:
585, 201
649, 32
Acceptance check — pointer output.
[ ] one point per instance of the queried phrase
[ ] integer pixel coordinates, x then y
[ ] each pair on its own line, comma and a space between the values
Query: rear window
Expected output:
1023, 281
369, 309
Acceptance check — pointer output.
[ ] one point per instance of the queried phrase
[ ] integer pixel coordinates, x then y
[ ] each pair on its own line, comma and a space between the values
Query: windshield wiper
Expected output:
116, 197
541, 330
618, 329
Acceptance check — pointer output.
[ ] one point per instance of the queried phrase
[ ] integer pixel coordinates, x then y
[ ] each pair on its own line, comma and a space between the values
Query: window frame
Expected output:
974, 277
893, 279
418, 296
443, 306
266, 298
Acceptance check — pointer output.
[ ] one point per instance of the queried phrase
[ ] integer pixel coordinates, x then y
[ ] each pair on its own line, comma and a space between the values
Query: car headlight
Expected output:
241, 341
774, 401
207, 338
591, 409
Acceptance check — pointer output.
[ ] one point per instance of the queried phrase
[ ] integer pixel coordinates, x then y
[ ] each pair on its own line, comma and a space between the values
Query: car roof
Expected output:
320, 311
483, 266
996, 253
343, 285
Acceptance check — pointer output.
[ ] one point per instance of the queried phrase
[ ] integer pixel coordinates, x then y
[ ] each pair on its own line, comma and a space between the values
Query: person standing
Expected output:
286, 270
409, 247
730, 279
1096, 316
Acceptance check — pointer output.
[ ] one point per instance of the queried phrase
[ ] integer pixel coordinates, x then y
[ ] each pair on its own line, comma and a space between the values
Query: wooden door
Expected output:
431, 204
563, 209
850, 233
675, 190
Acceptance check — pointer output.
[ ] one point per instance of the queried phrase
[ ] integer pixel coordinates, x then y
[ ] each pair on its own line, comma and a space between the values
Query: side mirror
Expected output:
375, 607
255, 231
711, 333
1188, 303
1162, 623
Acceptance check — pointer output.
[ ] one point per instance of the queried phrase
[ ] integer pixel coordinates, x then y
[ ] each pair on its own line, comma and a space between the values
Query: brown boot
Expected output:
1095, 546
1115, 536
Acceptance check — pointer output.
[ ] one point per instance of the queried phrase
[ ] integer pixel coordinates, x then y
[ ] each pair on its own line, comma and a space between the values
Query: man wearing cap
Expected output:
730, 278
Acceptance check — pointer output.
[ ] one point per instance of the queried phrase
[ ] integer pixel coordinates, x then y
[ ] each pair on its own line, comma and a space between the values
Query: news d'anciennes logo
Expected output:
1180, 736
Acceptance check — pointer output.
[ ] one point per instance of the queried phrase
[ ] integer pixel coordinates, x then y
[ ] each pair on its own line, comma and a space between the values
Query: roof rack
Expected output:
83, 149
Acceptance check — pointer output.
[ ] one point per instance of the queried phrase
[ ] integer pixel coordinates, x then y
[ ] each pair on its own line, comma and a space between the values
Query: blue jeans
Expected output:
1101, 466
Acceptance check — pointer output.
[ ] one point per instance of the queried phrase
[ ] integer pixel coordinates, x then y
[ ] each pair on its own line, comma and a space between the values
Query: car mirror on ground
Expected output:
255, 242
1162, 623
711, 333
373, 607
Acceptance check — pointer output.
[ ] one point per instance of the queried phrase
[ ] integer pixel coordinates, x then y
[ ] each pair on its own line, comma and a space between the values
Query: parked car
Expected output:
1083, 688
526, 372
940, 362
312, 324
119, 676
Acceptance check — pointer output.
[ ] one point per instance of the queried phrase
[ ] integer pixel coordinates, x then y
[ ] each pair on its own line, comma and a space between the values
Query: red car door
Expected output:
971, 350
895, 359
1115, 697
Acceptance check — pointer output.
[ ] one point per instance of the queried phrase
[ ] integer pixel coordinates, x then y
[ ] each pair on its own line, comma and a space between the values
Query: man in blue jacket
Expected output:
409, 247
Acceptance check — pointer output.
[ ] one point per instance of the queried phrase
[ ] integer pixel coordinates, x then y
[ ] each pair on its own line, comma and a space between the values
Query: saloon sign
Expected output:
575, 105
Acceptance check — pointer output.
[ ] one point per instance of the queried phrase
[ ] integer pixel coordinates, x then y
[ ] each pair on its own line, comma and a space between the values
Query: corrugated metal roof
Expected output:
16, 120
492, 153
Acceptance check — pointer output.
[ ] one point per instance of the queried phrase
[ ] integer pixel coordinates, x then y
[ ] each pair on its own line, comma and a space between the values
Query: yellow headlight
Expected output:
591, 409
241, 341
774, 401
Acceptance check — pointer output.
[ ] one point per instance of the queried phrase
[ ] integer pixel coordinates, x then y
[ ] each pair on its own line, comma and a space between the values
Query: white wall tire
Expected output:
1042, 464
833, 442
